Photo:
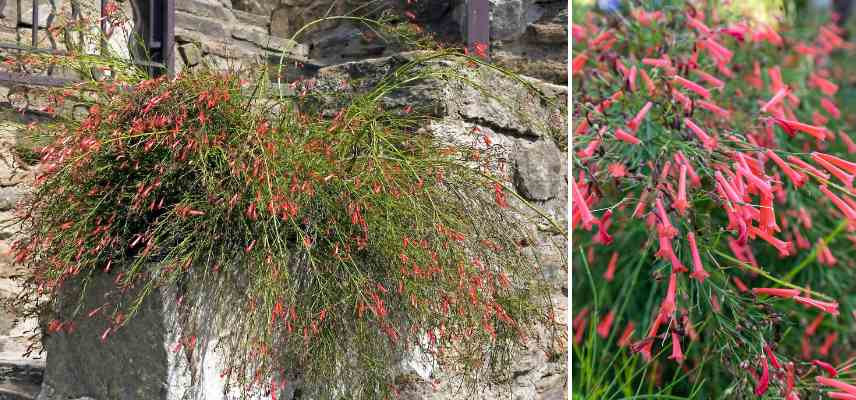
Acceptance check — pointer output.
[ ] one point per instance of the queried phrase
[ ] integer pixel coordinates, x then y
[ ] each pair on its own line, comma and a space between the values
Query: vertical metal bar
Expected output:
150, 32
18, 24
478, 26
35, 23
168, 41
103, 41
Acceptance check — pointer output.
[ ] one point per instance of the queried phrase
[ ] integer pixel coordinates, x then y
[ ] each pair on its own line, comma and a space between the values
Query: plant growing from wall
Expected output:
349, 237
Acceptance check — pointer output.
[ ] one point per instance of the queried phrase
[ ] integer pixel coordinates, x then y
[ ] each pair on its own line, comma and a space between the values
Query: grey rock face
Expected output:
138, 361
259, 7
509, 18
538, 173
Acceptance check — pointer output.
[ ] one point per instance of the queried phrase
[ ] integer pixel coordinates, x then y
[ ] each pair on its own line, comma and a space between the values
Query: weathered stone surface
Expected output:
243, 17
538, 170
509, 18
206, 8
549, 33
259, 37
10, 196
210, 27
138, 361
289, 17
259, 7
191, 54
27, 15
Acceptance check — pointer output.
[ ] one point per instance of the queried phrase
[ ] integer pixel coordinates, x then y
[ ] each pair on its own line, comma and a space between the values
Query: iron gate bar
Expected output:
35, 23
168, 39
103, 23
478, 25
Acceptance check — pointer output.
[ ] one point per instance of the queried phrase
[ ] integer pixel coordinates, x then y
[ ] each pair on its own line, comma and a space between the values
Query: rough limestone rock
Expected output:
538, 172
140, 360
509, 18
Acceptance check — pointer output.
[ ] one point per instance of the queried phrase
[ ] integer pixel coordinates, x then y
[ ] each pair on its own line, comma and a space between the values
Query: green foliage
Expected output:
717, 340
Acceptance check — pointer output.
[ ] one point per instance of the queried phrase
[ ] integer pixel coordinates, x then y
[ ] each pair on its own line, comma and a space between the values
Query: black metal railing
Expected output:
157, 28
478, 27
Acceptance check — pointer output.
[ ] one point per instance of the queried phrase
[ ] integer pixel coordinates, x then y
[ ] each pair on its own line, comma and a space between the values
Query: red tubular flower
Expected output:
712, 80
827, 343
808, 167
783, 247
640, 206
666, 229
692, 86
845, 209
707, 141
681, 202
698, 269
740, 285
784, 293
717, 51
578, 63
829, 307
851, 146
667, 308
637, 120
847, 388
677, 353
772, 357
610, 269
699, 26
848, 166
796, 178
589, 150
840, 396
580, 203
764, 381
657, 62
695, 180
755, 181
802, 243
605, 324
603, 237
842, 176
791, 126
830, 370
729, 191
767, 222
828, 88
624, 340
775, 75
620, 134
631, 79
776, 99
686, 102
830, 108
719, 111
649, 84
606, 104
666, 252
789, 380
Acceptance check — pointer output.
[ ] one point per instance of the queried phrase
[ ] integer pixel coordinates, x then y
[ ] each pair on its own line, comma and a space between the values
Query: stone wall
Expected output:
529, 36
